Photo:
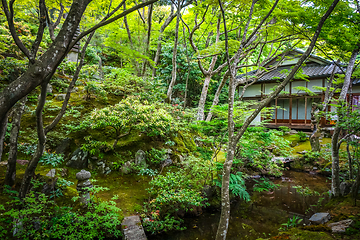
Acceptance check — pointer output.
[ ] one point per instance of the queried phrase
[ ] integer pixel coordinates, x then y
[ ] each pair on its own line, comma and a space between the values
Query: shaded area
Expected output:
264, 216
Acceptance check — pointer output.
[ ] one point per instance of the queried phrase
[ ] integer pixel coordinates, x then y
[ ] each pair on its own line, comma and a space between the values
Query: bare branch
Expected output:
40, 33
10, 19
103, 23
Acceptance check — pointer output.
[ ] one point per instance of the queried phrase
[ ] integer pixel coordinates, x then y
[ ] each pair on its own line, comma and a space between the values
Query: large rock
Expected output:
320, 218
166, 162
79, 159
293, 132
49, 187
63, 146
140, 159
345, 188
340, 227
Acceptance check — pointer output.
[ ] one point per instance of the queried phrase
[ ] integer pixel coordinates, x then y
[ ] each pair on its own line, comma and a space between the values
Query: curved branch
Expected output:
10, 19
103, 23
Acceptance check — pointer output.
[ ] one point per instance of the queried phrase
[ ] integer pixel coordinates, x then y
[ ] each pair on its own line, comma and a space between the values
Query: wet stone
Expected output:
345, 188
340, 227
83, 175
132, 228
320, 218
140, 159
51, 173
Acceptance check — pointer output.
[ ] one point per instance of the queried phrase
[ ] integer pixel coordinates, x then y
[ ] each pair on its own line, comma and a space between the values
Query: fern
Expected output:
237, 186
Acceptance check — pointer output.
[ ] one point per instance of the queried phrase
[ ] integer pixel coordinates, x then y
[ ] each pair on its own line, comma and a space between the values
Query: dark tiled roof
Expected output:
312, 71
356, 81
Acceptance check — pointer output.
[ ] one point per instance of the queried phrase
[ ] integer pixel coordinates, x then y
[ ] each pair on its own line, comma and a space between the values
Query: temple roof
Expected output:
315, 67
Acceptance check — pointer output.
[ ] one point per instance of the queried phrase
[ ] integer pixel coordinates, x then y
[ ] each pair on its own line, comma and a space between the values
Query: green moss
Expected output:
184, 142
188, 141
299, 234
180, 145
317, 228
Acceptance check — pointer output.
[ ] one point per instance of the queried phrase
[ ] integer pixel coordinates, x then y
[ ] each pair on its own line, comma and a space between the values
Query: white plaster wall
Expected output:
269, 86
297, 84
314, 83
253, 91
257, 120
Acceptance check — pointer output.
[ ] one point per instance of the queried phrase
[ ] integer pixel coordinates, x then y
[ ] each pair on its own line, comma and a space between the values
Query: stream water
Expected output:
264, 217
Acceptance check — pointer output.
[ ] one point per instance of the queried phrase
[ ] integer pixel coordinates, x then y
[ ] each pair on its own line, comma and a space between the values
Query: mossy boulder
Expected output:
184, 142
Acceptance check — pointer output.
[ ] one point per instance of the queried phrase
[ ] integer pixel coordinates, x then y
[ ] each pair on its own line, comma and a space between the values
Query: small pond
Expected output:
264, 217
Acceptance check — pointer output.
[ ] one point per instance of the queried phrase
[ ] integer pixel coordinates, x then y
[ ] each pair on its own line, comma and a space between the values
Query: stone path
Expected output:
132, 228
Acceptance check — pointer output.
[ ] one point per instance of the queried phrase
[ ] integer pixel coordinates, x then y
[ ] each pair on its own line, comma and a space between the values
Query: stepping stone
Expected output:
340, 227
132, 228
320, 218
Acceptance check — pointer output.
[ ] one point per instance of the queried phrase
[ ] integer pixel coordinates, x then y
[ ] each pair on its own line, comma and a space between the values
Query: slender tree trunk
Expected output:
315, 136
3, 128
202, 101
162, 29
127, 27
30, 170
335, 185
217, 95
148, 38
233, 140
335, 180
208, 74
11, 166
351, 174
174, 65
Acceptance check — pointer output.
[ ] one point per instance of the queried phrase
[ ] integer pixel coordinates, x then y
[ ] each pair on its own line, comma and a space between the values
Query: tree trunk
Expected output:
11, 166
3, 128
233, 140
162, 29
174, 69
335, 180
45, 65
315, 140
217, 95
202, 101
335, 185
351, 174
30, 170
148, 37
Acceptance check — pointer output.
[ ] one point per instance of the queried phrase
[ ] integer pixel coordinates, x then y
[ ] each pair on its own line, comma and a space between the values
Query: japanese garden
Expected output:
180, 119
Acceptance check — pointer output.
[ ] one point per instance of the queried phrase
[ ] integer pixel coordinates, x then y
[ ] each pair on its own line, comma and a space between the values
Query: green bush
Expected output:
38, 217
174, 191
52, 159
302, 136
284, 129
155, 156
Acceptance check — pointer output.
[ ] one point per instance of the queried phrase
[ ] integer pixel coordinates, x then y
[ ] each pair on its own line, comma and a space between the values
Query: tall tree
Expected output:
179, 4
41, 68
335, 143
235, 137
